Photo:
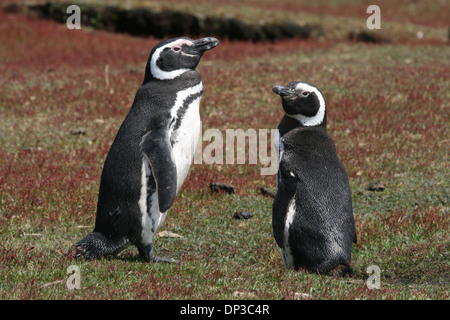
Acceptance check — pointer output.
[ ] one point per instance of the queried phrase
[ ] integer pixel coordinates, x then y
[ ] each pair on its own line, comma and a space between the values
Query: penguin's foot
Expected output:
148, 255
341, 270
96, 245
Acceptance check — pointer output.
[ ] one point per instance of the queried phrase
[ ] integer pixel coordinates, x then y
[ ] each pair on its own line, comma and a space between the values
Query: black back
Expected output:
311, 175
323, 229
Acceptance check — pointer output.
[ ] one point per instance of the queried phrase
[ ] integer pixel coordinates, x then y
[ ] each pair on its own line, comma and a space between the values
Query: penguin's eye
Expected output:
305, 93
176, 49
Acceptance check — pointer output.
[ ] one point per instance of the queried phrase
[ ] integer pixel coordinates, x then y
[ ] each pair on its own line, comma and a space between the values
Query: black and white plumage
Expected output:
312, 215
151, 154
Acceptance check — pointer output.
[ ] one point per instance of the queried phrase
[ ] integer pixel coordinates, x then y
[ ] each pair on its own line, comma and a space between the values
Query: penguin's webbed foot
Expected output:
147, 254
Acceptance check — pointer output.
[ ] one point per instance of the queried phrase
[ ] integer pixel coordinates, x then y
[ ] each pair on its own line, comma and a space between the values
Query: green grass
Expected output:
388, 113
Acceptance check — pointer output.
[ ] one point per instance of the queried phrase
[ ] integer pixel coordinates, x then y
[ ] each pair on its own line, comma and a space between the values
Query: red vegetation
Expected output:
387, 111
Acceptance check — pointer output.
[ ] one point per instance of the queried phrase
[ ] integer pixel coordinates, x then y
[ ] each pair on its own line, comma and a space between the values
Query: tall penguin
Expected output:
151, 154
312, 215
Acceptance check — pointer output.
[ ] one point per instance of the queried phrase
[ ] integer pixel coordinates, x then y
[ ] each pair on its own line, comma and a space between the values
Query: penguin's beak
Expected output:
201, 45
282, 91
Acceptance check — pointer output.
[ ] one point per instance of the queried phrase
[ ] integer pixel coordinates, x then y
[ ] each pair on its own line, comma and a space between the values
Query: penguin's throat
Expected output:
309, 121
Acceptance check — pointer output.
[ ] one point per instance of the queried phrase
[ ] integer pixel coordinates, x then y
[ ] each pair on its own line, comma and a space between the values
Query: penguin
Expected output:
151, 154
312, 215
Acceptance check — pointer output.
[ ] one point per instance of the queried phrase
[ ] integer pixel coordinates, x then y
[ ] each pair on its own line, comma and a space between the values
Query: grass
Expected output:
388, 113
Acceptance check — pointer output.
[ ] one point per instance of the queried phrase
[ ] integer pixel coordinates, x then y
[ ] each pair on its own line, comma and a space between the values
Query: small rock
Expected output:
168, 234
78, 131
244, 295
376, 186
302, 296
267, 192
217, 186
242, 215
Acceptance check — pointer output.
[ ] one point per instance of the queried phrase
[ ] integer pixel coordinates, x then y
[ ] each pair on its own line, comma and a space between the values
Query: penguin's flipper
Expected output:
278, 217
157, 151
284, 196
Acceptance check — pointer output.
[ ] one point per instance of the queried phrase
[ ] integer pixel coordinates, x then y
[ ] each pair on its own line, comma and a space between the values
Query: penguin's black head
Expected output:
303, 102
170, 58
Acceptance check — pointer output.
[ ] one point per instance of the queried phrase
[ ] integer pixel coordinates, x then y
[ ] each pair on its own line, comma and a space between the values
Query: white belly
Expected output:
187, 137
288, 258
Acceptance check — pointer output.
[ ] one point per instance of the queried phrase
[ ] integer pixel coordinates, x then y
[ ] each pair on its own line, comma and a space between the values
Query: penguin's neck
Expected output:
185, 80
288, 123
188, 79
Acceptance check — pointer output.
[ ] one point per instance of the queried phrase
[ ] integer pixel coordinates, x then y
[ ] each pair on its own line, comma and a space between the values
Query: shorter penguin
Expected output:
312, 215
